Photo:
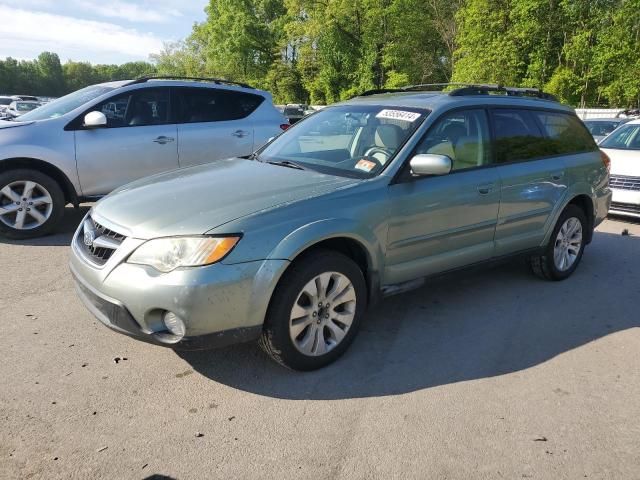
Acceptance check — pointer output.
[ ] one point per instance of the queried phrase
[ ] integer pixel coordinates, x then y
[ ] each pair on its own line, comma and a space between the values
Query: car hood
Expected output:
624, 162
194, 200
10, 124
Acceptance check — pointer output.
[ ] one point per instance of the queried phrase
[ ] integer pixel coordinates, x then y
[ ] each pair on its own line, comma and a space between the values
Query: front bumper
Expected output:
220, 304
625, 202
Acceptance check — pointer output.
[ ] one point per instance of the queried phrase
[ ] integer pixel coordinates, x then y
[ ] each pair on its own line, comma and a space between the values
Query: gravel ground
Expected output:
489, 374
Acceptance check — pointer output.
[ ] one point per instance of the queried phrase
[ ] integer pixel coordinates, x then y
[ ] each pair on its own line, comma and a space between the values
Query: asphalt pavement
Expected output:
485, 374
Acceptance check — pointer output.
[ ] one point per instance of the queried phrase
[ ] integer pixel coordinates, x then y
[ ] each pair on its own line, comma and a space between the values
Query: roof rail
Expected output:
219, 81
508, 91
466, 89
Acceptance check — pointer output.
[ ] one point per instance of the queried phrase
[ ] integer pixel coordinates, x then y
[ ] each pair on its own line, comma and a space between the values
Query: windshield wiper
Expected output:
287, 163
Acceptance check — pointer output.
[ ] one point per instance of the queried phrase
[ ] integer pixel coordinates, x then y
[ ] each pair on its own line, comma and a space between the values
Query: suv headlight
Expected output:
167, 254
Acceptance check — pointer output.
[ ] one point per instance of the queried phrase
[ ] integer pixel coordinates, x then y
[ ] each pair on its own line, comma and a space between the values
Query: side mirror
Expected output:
430, 164
95, 120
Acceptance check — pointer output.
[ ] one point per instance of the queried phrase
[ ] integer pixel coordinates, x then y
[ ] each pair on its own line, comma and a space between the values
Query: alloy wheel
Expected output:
25, 205
322, 314
568, 244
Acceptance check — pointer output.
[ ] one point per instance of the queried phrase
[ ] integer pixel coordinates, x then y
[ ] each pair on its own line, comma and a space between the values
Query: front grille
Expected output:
105, 241
625, 207
624, 183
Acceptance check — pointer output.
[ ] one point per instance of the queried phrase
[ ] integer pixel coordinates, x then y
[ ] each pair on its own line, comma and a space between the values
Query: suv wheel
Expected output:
31, 204
566, 246
315, 311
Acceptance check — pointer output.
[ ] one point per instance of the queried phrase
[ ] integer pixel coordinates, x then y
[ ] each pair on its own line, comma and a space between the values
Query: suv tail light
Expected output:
605, 160
284, 126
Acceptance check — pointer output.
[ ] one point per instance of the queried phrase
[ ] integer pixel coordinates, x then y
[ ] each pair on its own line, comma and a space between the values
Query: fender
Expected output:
308, 235
578, 188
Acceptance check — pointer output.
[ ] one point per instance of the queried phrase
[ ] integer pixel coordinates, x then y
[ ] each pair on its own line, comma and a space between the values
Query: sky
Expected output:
96, 31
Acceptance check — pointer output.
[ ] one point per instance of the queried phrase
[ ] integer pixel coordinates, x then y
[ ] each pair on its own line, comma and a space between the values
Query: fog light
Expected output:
174, 324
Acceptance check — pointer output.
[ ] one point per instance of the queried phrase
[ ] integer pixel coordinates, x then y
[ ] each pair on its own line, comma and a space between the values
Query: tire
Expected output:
550, 267
23, 194
316, 343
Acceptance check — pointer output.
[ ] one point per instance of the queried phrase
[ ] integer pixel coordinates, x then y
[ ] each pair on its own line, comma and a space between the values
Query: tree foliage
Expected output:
587, 52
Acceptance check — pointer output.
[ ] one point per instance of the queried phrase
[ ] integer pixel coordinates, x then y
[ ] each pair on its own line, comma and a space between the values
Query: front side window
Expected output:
565, 133
215, 105
463, 136
627, 137
347, 140
517, 136
137, 108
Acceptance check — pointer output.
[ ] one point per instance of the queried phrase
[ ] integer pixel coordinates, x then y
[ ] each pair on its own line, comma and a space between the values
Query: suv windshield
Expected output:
347, 140
626, 137
64, 105
26, 106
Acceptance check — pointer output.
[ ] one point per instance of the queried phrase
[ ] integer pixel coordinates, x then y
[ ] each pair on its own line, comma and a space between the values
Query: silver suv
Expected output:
86, 144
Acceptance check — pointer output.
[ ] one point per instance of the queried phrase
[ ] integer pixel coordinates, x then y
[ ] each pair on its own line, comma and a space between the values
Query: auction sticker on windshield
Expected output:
398, 115
365, 165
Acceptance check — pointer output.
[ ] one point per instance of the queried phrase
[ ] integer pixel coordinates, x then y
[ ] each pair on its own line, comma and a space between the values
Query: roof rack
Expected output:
508, 91
466, 89
219, 81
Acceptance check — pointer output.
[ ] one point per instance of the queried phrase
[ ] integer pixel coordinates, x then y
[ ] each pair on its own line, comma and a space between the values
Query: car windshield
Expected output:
626, 137
26, 107
64, 105
347, 140
601, 128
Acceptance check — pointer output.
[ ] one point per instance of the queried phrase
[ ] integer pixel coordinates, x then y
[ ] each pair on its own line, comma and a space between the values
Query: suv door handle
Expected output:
240, 133
162, 140
485, 188
557, 175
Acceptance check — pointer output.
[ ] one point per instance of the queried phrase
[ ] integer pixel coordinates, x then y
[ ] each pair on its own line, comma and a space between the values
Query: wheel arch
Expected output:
54, 172
585, 203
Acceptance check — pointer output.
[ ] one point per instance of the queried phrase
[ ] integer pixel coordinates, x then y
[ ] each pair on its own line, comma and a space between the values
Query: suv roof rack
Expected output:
219, 81
466, 89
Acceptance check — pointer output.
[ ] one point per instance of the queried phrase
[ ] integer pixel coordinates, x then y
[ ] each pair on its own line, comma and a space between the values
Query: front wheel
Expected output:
31, 204
315, 311
566, 246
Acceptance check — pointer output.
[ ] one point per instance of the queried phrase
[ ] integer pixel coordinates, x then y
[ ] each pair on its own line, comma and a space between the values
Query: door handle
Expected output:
240, 133
557, 175
485, 188
162, 140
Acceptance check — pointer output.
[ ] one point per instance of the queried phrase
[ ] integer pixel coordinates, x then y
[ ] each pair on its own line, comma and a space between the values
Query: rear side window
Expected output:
215, 105
566, 133
517, 136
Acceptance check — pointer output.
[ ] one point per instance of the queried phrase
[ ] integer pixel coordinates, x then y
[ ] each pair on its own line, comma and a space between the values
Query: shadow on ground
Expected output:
457, 328
63, 232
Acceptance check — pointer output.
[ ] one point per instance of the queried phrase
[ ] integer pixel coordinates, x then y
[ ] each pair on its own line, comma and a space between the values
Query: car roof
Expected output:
633, 122
163, 82
611, 119
441, 100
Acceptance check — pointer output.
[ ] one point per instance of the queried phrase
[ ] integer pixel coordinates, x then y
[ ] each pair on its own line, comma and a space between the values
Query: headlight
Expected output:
166, 254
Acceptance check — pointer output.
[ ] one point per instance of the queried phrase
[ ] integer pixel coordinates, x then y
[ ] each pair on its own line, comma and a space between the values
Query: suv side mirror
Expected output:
430, 164
95, 119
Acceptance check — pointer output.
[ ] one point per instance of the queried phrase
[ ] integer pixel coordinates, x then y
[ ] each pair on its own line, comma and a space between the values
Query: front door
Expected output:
139, 140
443, 222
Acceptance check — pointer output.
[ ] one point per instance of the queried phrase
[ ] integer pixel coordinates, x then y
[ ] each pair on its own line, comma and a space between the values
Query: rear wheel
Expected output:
566, 246
31, 204
315, 311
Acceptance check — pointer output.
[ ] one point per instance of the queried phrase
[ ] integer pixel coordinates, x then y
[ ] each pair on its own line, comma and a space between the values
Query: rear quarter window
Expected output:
216, 105
565, 133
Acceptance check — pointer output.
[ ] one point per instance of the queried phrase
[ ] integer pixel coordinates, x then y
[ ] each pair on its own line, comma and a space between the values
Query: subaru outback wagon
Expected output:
82, 146
362, 199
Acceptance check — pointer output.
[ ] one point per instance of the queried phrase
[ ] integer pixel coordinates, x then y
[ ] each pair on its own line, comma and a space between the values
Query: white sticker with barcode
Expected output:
398, 115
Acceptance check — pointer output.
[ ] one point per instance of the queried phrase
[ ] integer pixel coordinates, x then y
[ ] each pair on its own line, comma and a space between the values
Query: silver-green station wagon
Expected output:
363, 199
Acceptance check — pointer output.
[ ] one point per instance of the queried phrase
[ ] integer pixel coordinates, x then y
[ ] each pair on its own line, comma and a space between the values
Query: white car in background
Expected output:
19, 108
623, 148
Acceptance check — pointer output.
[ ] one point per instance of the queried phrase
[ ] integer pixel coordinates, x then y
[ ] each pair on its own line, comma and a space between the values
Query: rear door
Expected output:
533, 174
139, 140
214, 123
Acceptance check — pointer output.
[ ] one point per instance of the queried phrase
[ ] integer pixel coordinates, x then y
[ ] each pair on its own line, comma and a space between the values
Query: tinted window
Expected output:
5, 100
601, 128
463, 136
518, 137
566, 133
137, 108
627, 137
215, 105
